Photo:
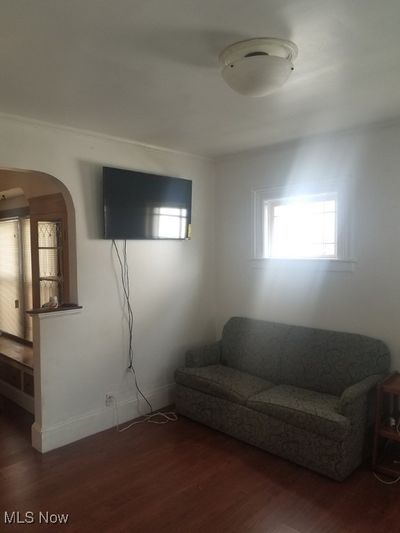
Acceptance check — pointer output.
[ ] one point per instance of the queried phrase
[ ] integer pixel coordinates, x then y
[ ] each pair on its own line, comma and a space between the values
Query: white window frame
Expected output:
343, 261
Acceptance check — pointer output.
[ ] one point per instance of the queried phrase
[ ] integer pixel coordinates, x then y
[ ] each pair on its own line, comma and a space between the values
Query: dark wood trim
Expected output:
383, 460
391, 385
49, 204
18, 212
16, 339
49, 208
378, 415
6, 358
60, 308
35, 263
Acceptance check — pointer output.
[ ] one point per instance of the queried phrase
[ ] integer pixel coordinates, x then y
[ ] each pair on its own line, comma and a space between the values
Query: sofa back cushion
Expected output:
254, 346
315, 359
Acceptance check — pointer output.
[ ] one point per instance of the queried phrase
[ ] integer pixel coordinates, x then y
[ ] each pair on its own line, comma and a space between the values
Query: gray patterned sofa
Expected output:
297, 392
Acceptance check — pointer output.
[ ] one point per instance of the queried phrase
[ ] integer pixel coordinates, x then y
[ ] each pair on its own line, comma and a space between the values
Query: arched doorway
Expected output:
37, 221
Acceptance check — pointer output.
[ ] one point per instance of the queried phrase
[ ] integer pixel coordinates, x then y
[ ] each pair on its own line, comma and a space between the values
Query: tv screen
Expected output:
138, 205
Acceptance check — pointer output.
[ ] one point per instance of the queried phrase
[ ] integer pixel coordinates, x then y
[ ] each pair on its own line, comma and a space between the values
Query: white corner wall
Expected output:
366, 165
84, 355
180, 289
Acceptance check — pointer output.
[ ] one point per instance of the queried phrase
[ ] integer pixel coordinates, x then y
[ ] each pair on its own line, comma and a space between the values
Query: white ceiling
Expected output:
148, 70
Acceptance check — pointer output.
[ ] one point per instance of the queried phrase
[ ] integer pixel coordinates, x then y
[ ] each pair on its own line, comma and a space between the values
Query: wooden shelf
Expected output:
389, 461
16, 351
386, 459
60, 308
392, 384
389, 433
16, 372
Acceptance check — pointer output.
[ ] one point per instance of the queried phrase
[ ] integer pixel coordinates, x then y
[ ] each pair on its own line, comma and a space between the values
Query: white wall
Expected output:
84, 355
366, 165
176, 300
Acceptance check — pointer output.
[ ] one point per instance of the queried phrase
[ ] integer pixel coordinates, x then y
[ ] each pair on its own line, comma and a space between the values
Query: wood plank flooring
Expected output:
180, 477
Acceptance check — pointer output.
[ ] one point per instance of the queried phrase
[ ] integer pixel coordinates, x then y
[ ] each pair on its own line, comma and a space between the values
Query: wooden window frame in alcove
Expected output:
48, 200
49, 208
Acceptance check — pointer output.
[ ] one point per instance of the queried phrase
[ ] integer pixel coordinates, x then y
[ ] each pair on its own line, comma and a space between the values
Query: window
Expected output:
301, 227
24, 283
50, 246
15, 277
50, 259
290, 225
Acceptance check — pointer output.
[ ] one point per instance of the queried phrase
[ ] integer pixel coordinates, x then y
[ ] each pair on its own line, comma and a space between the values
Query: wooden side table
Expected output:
386, 453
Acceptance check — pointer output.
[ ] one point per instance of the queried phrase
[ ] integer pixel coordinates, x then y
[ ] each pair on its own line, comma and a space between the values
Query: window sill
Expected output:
326, 265
60, 309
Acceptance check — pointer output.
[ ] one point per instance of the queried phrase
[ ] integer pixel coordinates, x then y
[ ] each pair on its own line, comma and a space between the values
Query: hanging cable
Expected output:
159, 417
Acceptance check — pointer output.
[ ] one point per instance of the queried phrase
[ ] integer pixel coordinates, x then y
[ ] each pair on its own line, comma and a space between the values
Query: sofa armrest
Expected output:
204, 356
354, 392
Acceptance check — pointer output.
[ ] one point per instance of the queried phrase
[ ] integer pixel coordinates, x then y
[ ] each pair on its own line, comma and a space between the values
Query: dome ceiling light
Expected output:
256, 67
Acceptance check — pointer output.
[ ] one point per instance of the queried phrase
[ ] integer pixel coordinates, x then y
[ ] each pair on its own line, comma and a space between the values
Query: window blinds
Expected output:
10, 278
15, 277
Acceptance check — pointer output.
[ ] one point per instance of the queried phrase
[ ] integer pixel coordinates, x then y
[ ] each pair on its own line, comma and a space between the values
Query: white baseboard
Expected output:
17, 396
45, 439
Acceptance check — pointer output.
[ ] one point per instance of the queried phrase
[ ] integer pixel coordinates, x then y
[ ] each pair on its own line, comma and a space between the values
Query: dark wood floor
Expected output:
181, 477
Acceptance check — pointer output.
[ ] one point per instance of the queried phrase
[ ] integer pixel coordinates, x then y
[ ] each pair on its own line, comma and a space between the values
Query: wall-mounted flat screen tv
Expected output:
138, 205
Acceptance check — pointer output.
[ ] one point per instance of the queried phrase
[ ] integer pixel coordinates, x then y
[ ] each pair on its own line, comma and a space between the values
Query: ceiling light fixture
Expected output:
256, 67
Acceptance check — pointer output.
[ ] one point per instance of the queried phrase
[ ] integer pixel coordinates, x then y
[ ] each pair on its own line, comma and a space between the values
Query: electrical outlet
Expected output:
109, 400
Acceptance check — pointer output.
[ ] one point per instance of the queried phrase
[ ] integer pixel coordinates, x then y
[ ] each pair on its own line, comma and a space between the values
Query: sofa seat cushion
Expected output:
305, 409
222, 381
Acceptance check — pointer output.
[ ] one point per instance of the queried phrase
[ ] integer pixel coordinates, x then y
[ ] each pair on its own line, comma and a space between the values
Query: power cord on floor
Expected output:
158, 417
392, 482
153, 418
397, 479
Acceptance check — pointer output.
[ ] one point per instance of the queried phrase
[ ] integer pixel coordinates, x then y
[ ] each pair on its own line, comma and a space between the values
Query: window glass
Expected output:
301, 227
